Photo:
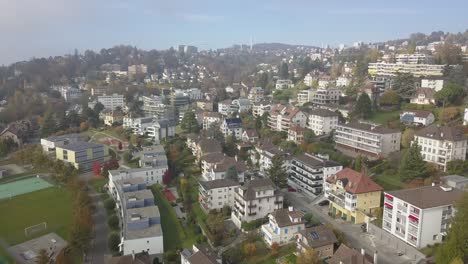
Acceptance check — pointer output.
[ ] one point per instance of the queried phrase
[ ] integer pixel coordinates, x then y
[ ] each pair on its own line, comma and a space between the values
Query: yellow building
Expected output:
111, 117
352, 195
82, 155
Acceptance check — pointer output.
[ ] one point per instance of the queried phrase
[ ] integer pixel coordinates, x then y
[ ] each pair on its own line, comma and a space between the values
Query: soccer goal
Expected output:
35, 228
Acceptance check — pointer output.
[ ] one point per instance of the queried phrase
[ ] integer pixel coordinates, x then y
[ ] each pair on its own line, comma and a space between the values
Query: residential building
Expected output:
343, 81
465, 117
152, 157
111, 102
250, 135
352, 195
308, 173
347, 255
98, 91
417, 117
221, 169
309, 80
69, 93
435, 84
199, 255
242, 105
440, 145
284, 84
423, 96
149, 174
319, 238
210, 118
296, 134
420, 216
205, 146
324, 82
264, 154
283, 226
282, 117
303, 96
50, 143
137, 69
153, 106
260, 108
455, 181
82, 155
157, 129
322, 121
205, 105
225, 107
255, 199
232, 127
256, 94
393, 69
415, 58
111, 117
215, 194
369, 140
138, 258
322, 96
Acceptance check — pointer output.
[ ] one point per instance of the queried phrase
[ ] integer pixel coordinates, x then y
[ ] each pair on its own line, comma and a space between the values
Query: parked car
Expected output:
324, 202
291, 189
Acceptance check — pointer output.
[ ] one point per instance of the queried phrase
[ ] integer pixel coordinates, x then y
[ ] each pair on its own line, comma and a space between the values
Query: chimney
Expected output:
290, 208
375, 257
363, 252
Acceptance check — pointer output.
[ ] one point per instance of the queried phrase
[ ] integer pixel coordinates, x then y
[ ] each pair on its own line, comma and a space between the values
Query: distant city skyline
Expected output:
31, 28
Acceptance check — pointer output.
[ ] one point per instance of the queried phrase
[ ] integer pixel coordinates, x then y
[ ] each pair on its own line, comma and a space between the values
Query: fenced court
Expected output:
9, 190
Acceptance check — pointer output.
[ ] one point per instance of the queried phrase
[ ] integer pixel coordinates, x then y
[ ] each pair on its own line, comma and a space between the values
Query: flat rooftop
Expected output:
142, 213
429, 196
138, 195
77, 146
28, 251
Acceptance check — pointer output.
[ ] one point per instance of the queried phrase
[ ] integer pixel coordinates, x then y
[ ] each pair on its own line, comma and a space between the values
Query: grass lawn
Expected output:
389, 181
97, 183
52, 205
382, 117
174, 234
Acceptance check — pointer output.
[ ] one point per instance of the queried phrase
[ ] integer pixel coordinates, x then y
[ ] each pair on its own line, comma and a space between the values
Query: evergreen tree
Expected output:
48, 125
455, 247
276, 172
404, 84
363, 106
231, 173
189, 123
283, 72
98, 107
412, 165
358, 163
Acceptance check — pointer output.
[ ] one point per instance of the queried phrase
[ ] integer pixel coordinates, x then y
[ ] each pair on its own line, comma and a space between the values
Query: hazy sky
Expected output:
54, 27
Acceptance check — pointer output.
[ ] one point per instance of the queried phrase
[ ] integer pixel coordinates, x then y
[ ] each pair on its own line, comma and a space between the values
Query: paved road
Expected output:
98, 248
355, 237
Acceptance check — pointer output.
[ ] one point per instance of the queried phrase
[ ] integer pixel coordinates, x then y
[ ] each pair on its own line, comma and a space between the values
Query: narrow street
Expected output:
354, 235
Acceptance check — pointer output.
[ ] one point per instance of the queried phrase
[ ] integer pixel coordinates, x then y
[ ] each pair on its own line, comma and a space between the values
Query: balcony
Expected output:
337, 198
252, 213
252, 206
402, 208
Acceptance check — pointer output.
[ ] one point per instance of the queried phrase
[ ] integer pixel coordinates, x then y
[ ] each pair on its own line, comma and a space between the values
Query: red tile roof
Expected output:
355, 182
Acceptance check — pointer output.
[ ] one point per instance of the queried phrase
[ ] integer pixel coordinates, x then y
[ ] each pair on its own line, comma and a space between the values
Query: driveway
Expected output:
354, 235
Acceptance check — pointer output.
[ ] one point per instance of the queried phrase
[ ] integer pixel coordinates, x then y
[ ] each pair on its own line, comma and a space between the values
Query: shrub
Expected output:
247, 226
113, 222
113, 242
109, 204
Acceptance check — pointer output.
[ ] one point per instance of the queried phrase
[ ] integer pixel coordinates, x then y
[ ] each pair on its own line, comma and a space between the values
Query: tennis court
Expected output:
15, 188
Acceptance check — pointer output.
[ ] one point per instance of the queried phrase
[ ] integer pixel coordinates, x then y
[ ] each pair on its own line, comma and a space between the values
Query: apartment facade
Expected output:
369, 140
322, 121
440, 145
416, 58
232, 127
111, 102
435, 84
323, 96
393, 69
308, 173
352, 195
282, 117
210, 118
420, 216
149, 174
284, 84
255, 199
215, 194
82, 155
260, 108
283, 226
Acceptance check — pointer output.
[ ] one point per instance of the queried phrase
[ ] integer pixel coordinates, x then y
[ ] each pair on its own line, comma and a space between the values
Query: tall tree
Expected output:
189, 123
48, 125
276, 172
405, 85
412, 165
455, 246
450, 94
309, 256
363, 106
283, 71
262, 80
98, 107
390, 98
407, 137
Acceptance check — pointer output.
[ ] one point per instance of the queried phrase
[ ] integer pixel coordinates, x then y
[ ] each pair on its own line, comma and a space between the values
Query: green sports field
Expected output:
51, 205
12, 189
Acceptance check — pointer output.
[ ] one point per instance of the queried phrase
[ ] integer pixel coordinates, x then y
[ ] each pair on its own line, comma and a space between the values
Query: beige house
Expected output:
319, 238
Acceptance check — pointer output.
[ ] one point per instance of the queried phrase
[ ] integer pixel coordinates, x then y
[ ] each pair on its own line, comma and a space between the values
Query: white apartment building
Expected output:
226, 108
416, 58
264, 154
283, 226
423, 96
111, 101
303, 96
343, 81
322, 121
420, 216
216, 165
308, 173
284, 84
439, 145
282, 117
324, 96
418, 117
309, 80
137, 69
435, 84
216, 194
157, 129
68, 93
150, 175
256, 94
210, 118
242, 105
232, 127
153, 106
254, 200
365, 139
392, 69
258, 109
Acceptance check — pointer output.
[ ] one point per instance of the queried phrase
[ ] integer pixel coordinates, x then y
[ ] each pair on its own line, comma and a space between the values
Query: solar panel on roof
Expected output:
314, 235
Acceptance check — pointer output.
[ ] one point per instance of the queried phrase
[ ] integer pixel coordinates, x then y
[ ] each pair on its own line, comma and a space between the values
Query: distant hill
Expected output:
278, 46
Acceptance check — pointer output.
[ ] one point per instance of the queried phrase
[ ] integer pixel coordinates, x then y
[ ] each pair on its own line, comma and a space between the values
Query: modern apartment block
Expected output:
364, 139
214, 195
232, 127
352, 195
416, 58
152, 157
137, 69
255, 199
153, 106
282, 117
439, 145
82, 155
111, 101
308, 173
322, 121
50, 143
435, 84
323, 96
210, 118
392, 69
283, 226
284, 84
260, 108
420, 216
150, 175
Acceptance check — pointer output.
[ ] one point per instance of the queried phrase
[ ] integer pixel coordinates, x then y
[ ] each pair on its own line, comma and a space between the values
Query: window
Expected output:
434, 237
285, 230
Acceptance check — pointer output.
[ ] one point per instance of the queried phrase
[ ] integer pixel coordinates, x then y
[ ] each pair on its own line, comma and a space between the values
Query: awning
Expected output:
388, 205
414, 218
388, 196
